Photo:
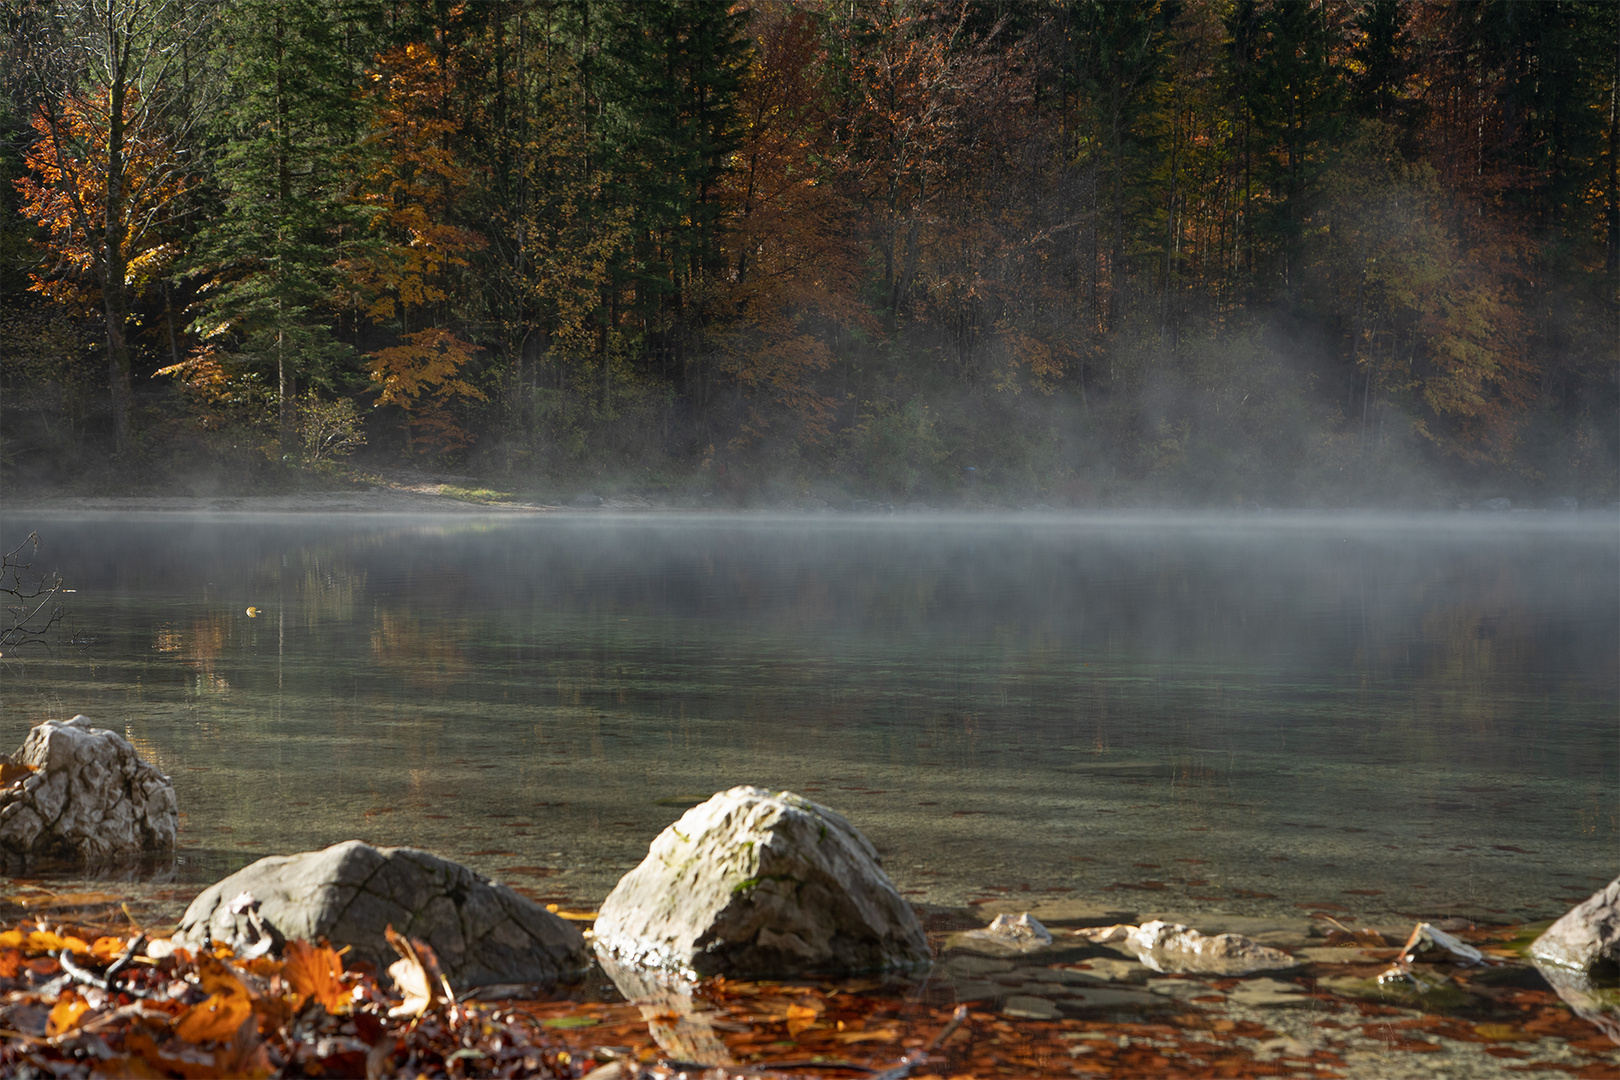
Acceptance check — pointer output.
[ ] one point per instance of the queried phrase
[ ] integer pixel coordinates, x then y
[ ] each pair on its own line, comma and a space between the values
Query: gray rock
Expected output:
760, 884
1030, 1008
1579, 955
91, 800
482, 931
1005, 936
1563, 504
1587, 936
1174, 948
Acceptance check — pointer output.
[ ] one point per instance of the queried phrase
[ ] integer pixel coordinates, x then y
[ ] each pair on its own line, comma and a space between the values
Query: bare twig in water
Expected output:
33, 597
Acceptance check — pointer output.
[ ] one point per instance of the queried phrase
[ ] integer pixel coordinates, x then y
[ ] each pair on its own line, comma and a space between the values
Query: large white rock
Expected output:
482, 931
757, 884
90, 800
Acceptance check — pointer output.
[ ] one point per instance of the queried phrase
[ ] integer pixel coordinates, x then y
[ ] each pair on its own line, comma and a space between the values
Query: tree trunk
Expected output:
115, 296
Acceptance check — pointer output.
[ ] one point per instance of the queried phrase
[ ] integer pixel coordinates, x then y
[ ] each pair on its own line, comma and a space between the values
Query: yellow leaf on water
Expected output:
11, 939
800, 1017
881, 1035
66, 1014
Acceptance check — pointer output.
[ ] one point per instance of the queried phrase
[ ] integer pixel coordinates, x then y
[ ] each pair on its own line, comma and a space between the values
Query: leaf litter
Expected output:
84, 1000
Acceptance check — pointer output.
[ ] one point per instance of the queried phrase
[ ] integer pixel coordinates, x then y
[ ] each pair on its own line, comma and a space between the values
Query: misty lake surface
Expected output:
1156, 713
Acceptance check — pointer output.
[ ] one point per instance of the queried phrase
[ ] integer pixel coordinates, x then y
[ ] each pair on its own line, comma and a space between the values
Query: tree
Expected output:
266, 256
404, 275
118, 88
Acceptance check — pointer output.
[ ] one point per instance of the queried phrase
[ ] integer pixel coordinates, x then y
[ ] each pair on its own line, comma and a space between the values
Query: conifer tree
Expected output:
285, 201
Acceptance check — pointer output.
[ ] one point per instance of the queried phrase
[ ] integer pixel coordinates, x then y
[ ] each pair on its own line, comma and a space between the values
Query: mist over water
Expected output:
1159, 713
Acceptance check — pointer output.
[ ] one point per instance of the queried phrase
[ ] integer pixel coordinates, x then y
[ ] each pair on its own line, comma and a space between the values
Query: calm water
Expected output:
1181, 714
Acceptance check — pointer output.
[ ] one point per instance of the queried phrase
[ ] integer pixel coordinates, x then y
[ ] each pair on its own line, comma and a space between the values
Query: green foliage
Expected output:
1212, 252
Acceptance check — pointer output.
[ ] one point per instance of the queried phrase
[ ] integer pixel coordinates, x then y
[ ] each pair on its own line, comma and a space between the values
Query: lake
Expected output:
1397, 716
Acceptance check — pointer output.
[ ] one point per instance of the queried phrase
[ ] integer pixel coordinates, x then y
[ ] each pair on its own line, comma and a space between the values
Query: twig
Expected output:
104, 981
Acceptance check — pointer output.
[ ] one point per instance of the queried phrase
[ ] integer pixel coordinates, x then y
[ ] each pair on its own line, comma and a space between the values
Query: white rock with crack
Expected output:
90, 799
761, 884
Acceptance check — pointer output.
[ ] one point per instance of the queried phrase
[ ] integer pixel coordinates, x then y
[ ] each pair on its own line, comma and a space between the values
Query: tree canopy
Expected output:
1224, 251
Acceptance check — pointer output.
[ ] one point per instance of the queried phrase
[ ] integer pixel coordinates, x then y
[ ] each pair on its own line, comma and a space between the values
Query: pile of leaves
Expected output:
80, 1004
88, 1001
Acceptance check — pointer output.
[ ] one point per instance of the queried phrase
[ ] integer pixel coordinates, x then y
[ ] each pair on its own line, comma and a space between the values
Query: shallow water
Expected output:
1397, 716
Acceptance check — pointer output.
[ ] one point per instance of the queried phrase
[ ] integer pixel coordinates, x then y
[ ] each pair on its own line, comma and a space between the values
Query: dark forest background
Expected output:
1203, 252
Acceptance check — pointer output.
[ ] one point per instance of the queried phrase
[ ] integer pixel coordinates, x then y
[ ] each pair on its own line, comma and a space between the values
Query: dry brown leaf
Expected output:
316, 972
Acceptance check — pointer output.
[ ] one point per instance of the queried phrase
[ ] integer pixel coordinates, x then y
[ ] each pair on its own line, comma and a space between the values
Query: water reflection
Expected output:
1412, 716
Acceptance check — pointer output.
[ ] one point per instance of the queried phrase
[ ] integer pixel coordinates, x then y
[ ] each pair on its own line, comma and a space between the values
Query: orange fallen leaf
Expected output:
66, 1014
11, 772
800, 1017
108, 949
316, 972
214, 1020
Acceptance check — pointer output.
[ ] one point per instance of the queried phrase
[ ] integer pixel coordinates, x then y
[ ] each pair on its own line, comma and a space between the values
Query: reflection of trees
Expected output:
423, 654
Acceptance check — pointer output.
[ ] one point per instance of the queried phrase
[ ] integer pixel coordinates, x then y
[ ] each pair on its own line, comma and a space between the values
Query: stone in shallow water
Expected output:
1030, 1008
90, 800
1267, 994
758, 884
1579, 955
1176, 949
1006, 934
482, 931
1586, 937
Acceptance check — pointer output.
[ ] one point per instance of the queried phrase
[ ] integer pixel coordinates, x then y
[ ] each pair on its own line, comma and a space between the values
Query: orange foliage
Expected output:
423, 377
411, 188
66, 193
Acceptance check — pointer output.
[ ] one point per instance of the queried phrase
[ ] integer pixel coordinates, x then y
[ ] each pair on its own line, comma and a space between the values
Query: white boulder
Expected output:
89, 799
758, 884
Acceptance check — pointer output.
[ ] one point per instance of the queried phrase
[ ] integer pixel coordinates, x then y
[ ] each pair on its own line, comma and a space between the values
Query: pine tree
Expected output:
285, 200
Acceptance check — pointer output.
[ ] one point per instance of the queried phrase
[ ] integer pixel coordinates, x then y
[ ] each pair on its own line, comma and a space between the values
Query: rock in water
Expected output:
1587, 937
90, 799
1174, 948
1579, 955
483, 932
765, 885
1005, 934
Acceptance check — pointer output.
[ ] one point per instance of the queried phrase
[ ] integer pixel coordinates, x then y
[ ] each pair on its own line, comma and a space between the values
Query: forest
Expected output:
1222, 253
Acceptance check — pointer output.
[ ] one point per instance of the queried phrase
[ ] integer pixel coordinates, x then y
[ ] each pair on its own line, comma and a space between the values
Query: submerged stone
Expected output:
1172, 948
1005, 936
758, 884
89, 799
482, 931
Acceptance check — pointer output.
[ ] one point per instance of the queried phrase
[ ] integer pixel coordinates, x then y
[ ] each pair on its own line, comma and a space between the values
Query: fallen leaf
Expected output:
316, 973
66, 1014
11, 772
214, 1020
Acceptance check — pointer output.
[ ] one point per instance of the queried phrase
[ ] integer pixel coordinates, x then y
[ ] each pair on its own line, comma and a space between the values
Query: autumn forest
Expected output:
1218, 253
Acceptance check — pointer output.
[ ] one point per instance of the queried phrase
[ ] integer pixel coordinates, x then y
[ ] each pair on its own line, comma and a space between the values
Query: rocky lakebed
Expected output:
760, 936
